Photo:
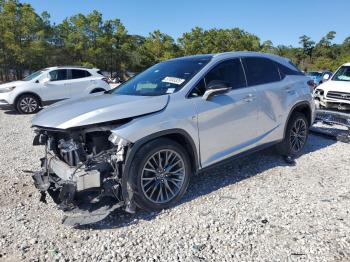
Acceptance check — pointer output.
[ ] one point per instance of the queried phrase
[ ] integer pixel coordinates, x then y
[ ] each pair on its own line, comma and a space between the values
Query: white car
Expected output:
50, 85
335, 93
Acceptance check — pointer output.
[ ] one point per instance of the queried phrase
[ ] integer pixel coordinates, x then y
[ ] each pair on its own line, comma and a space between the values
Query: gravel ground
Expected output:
253, 209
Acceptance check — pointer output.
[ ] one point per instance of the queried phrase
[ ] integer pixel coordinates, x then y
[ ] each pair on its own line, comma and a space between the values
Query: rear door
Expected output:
272, 93
226, 122
79, 83
56, 88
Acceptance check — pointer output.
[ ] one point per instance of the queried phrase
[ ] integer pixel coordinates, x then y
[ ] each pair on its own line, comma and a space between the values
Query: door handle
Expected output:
249, 98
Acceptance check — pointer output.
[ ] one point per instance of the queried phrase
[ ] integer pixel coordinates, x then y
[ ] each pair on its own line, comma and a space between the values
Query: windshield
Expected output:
343, 74
34, 75
163, 78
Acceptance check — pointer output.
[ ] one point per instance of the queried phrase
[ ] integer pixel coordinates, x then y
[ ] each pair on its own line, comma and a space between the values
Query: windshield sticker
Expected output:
173, 80
170, 90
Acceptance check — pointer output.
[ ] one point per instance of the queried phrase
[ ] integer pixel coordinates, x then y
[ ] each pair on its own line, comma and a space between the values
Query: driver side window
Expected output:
229, 72
58, 75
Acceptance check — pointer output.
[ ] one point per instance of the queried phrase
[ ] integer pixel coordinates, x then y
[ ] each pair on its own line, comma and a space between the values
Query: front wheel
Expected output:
27, 104
296, 135
160, 174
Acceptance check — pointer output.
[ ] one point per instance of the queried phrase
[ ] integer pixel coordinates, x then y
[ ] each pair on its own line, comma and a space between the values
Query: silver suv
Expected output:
140, 144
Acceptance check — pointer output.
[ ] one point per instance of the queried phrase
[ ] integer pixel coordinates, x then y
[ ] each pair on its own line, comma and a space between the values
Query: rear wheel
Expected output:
160, 174
296, 135
28, 104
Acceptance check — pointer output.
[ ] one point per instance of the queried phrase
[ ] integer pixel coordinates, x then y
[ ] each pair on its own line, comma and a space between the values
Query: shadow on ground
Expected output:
213, 179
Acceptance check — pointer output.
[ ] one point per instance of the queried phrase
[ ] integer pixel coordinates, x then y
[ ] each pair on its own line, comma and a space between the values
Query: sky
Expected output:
281, 21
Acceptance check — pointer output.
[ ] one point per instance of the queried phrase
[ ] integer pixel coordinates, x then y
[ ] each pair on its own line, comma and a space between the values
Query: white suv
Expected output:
335, 93
50, 85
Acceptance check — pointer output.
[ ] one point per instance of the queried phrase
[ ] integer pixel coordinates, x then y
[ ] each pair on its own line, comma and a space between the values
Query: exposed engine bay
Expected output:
82, 171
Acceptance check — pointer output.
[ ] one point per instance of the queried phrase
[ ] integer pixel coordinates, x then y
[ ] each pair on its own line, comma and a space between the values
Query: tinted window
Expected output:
284, 70
100, 73
58, 75
76, 73
229, 72
261, 71
199, 89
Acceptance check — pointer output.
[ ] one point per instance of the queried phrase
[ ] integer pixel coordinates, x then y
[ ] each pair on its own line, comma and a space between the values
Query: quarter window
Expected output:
58, 75
284, 70
261, 71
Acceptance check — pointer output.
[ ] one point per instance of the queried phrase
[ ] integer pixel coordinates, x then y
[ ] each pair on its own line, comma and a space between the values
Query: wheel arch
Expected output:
178, 135
301, 107
97, 89
28, 93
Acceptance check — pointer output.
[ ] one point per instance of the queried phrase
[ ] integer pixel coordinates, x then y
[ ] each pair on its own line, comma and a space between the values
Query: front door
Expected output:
57, 87
226, 122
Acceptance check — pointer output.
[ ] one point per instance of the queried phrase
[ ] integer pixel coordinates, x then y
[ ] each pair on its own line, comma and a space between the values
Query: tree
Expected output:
23, 37
157, 47
308, 46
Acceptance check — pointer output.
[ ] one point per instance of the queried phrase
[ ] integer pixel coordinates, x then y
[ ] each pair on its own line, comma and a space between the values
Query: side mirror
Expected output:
326, 77
45, 80
216, 88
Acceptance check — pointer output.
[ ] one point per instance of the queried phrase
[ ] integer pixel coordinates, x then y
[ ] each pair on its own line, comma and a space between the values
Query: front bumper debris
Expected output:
331, 119
87, 192
80, 207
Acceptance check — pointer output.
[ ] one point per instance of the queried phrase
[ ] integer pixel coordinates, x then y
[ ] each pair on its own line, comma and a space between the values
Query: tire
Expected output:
97, 90
292, 145
155, 190
27, 104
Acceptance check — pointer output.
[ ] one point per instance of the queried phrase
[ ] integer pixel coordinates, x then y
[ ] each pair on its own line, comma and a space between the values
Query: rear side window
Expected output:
287, 71
58, 75
261, 71
77, 73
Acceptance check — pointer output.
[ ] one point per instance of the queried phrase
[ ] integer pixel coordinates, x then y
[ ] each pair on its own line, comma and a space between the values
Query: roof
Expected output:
71, 67
219, 56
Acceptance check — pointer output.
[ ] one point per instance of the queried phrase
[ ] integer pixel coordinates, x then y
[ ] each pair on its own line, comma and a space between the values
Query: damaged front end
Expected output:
82, 171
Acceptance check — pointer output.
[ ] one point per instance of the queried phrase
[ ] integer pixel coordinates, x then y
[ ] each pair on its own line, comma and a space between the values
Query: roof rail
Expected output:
76, 66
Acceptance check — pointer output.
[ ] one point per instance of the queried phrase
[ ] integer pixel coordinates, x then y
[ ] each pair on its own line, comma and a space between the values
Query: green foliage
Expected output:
200, 41
29, 41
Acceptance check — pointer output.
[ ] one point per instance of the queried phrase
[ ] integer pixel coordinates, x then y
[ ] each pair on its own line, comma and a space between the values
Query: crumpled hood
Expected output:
97, 108
338, 86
